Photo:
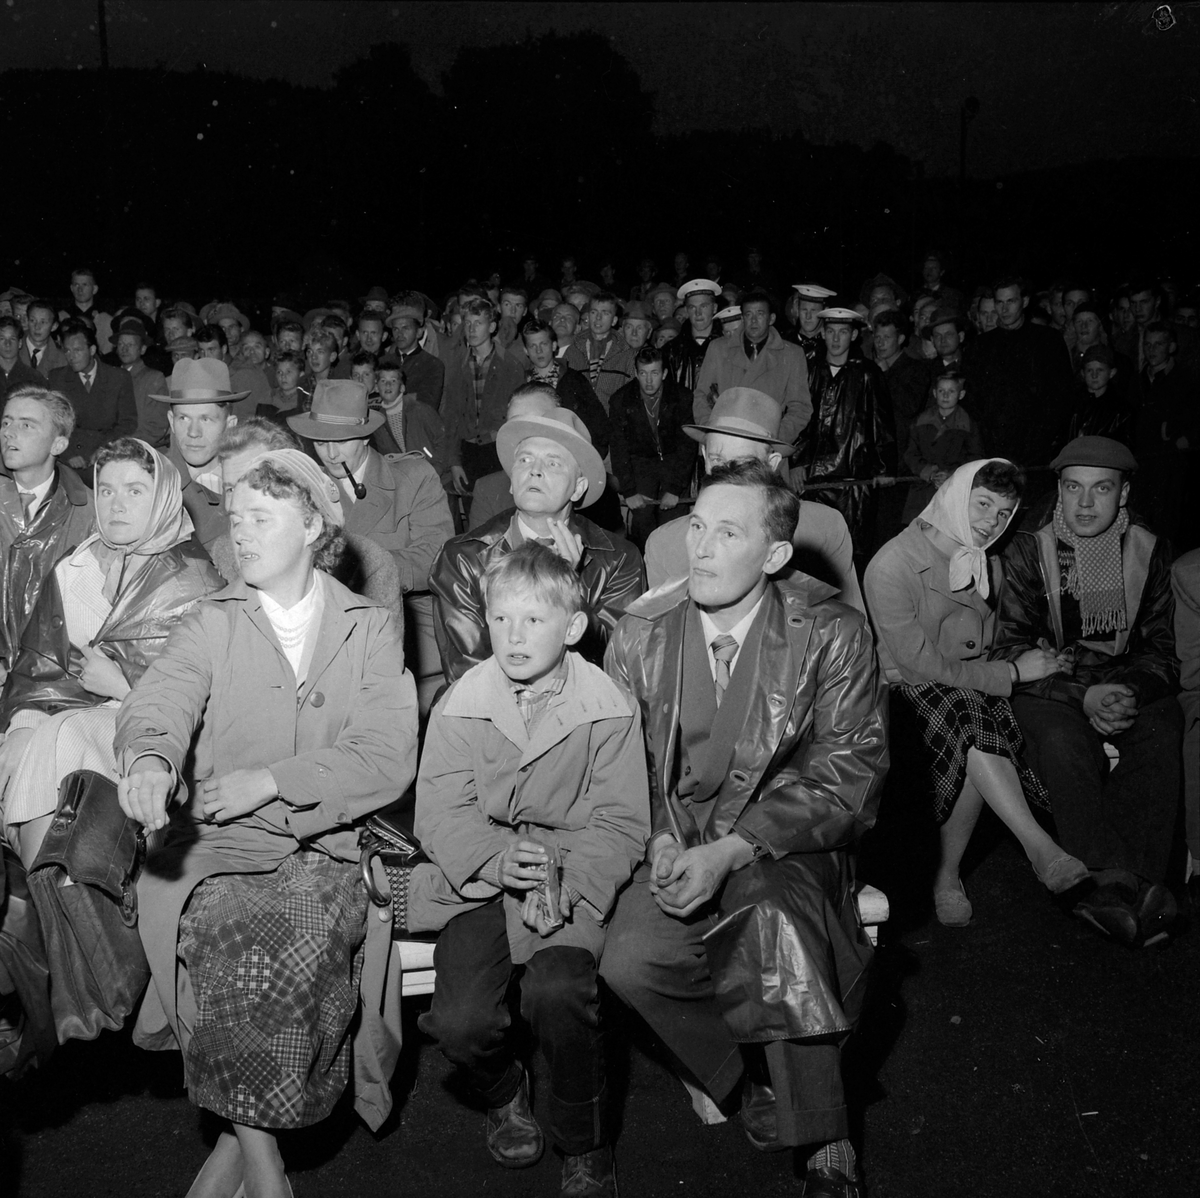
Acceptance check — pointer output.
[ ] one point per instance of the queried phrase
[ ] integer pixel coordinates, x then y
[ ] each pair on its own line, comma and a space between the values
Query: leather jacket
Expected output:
1142, 656
45, 673
610, 570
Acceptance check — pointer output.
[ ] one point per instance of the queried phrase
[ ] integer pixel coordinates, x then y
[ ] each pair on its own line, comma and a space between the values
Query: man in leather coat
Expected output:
554, 468
764, 715
1095, 583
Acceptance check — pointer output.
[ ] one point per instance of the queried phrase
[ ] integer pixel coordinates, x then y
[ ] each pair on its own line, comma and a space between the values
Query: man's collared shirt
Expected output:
739, 632
88, 377
40, 493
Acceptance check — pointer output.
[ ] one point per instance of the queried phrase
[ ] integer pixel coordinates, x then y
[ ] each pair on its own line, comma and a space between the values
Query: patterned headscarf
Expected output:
949, 511
1094, 575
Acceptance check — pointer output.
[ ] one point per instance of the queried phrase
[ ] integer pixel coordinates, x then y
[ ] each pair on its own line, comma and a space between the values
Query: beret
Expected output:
1095, 451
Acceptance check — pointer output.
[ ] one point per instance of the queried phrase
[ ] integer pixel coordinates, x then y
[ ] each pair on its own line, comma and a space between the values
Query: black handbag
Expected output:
389, 836
98, 967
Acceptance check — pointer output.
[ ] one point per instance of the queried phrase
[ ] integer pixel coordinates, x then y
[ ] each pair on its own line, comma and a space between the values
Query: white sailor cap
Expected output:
813, 291
733, 312
846, 315
696, 286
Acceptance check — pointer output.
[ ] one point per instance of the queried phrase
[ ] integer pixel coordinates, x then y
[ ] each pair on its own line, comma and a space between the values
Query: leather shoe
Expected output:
1156, 911
1111, 917
591, 1175
952, 907
758, 1117
513, 1136
829, 1183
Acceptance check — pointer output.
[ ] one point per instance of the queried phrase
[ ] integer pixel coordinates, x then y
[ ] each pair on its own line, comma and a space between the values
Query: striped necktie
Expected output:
724, 649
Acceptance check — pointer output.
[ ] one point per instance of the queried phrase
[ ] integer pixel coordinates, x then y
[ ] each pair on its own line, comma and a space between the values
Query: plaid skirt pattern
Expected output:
274, 960
949, 720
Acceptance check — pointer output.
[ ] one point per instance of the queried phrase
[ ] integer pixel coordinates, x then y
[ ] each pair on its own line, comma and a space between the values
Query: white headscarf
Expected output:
949, 511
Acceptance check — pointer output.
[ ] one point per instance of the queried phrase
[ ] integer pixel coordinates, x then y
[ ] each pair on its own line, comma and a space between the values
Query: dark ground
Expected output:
1020, 1056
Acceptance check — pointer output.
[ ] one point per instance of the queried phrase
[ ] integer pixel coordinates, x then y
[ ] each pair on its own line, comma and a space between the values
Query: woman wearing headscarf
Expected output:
254, 916
102, 615
931, 594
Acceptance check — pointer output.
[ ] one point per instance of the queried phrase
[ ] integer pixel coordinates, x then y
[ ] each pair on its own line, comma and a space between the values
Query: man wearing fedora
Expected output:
744, 426
684, 356
101, 395
1094, 583
424, 374
554, 470
395, 499
200, 401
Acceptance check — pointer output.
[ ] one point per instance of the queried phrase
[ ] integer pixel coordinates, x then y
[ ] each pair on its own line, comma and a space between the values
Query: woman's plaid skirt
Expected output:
949, 720
274, 960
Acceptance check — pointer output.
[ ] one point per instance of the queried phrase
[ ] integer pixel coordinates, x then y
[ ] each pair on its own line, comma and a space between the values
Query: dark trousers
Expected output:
657, 965
470, 1022
1123, 819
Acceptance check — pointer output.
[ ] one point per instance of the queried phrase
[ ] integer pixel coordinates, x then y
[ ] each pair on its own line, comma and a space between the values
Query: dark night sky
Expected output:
1057, 83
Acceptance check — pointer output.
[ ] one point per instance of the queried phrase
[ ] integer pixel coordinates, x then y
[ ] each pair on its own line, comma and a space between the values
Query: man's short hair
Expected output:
145, 285
1140, 285
516, 290
479, 306
319, 335
86, 271
758, 295
780, 504
606, 297
334, 323
291, 357
535, 326
952, 373
254, 432
1022, 285
11, 322
371, 316
1159, 326
525, 390
182, 314
77, 328
1001, 478
647, 356
534, 569
62, 413
212, 332
891, 318
44, 304
286, 325
387, 362
364, 357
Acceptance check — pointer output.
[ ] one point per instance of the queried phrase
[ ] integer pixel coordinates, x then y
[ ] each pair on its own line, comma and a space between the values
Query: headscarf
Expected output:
303, 471
949, 511
169, 524
1094, 576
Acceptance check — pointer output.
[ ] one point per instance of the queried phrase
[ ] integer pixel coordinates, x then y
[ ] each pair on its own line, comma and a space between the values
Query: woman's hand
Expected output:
236, 794
1035, 664
102, 676
523, 865
12, 749
143, 794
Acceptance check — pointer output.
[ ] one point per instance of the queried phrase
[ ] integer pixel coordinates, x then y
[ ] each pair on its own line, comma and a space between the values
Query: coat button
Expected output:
318, 699
687, 769
56, 622
970, 644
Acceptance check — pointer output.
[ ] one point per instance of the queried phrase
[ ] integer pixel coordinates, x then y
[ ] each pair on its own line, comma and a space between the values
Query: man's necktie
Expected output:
34, 355
724, 649
87, 382
28, 498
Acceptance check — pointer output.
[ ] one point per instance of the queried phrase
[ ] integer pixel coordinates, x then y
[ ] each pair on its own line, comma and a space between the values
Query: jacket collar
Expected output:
185, 475
483, 692
592, 535
797, 586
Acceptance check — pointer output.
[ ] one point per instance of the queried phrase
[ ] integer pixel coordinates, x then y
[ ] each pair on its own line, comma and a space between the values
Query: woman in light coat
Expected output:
254, 917
930, 595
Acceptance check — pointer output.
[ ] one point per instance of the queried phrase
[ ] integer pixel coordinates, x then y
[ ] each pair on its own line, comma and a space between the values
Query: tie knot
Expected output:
724, 648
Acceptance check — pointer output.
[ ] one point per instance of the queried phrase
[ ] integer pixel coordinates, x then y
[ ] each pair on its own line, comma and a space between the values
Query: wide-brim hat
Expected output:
744, 412
637, 310
222, 312
404, 312
200, 380
562, 426
376, 295
664, 288
946, 314
338, 412
313, 315
698, 287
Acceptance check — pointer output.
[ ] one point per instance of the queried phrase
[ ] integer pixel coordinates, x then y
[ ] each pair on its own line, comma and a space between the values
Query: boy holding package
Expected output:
533, 805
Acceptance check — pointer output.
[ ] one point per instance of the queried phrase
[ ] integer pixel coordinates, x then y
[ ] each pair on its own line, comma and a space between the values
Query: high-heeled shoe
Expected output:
1062, 873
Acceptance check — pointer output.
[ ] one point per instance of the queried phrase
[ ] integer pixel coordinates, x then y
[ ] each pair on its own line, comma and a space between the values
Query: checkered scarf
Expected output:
1094, 575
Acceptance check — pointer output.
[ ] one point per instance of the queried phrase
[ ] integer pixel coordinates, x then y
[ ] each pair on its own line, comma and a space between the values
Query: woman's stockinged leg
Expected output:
956, 834
263, 1165
996, 779
222, 1172
29, 837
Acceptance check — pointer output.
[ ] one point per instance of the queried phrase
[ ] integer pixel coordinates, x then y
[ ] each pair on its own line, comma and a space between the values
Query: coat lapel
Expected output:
364, 514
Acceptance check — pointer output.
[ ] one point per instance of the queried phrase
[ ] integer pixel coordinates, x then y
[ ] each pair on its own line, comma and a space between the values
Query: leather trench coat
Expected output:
610, 570
800, 773
45, 672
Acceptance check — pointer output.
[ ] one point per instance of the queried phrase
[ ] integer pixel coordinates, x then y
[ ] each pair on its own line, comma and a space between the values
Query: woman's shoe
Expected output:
1062, 873
952, 907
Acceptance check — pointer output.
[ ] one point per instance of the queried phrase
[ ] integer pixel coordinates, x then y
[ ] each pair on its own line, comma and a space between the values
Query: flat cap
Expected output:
1095, 451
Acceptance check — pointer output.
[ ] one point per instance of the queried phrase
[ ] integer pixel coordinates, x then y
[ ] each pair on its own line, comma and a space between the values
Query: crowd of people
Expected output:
625, 599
